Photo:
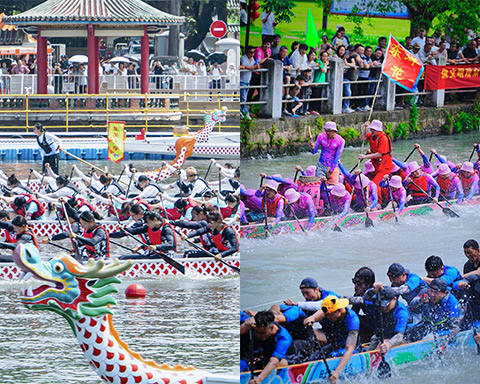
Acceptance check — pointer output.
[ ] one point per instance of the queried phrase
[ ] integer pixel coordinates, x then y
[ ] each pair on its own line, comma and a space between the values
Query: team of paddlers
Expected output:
140, 206
385, 182
441, 302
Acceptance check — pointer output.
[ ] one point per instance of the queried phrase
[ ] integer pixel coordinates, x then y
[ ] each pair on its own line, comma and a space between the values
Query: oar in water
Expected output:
368, 220
296, 217
71, 174
410, 154
236, 269
296, 174
123, 246
322, 354
129, 185
384, 371
445, 210
391, 199
121, 174
60, 246
336, 228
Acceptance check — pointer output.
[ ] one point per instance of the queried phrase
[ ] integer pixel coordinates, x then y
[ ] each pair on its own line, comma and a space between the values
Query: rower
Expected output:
399, 193
95, 237
26, 205
199, 186
147, 190
435, 269
440, 312
17, 232
235, 209
340, 327
91, 181
469, 179
15, 187
300, 205
160, 233
370, 191
81, 205
340, 200
472, 253
283, 183
64, 189
231, 176
395, 318
380, 151
331, 145
273, 203
450, 184
272, 344
199, 221
74, 225
110, 185
251, 201
424, 181
223, 236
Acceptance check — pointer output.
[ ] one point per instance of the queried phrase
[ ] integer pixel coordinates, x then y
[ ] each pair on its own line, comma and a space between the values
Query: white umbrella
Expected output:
78, 59
120, 59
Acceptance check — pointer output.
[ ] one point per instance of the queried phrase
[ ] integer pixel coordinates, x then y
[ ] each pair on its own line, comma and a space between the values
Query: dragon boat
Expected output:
367, 362
258, 231
82, 295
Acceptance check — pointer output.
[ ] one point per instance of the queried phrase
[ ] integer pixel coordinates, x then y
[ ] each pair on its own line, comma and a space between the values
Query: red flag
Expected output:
401, 66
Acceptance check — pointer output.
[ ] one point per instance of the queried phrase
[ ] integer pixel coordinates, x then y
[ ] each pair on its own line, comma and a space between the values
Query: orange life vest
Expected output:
155, 237
444, 184
422, 182
104, 249
218, 239
30, 198
271, 206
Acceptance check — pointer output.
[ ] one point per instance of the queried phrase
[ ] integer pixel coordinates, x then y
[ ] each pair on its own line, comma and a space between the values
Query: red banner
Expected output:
452, 76
401, 66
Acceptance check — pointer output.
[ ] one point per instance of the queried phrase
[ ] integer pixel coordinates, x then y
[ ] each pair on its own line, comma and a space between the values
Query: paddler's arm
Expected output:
346, 206
229, 233
400, 164
458, 185
374, 195
345, 172
473, 188
434, 184
314, 146
312, 213
349, 348
280, 211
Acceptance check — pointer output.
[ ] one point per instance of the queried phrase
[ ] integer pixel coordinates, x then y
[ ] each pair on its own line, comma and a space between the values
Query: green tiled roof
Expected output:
130, 12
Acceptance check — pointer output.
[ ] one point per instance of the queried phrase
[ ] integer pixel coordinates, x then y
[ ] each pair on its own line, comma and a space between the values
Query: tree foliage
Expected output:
282, 9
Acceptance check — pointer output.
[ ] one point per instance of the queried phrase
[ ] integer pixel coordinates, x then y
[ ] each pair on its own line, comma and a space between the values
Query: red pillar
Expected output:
97, 60
92, 58
42, 75
144, 65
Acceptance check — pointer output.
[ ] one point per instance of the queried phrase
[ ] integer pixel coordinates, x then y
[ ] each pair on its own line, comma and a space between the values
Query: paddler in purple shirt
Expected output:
331, 145
284, 183
340, 200
251, 201
422, 180
273, 203
302, 206
469, 179
399, 194
359, 181
450, 184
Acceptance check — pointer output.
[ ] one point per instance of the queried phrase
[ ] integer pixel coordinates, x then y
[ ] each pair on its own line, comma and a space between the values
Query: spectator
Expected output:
319, 77
340, 38
261, 54
157, 70
375, 69
216, 73
191, 68
268, 23
350, 74
275, 46
64, 64
20, 68
438, 37
305, 82
299, 59
246, 62
420, 39
425, 55
454, 56
325, 44
287, 66
243, 13
201, 68
5, 78
416, 50
312, 60
366, 56
442, 49
470, 52
408, 43
431, 40
57, 79
293, 48
133, 78
122, 76
382, 44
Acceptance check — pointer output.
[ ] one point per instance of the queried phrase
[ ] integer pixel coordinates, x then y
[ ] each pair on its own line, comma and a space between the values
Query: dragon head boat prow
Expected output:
82, 295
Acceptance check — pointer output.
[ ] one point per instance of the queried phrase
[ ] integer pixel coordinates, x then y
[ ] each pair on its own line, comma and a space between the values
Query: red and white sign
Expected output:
218, 29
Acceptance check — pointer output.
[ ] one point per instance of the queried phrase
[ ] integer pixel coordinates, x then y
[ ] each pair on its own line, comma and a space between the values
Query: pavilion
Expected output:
92, 19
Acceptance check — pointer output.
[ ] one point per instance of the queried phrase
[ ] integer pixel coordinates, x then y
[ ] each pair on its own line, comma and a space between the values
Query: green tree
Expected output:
282, 9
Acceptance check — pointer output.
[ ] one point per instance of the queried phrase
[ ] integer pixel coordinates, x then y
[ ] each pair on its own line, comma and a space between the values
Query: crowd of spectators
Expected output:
305, 68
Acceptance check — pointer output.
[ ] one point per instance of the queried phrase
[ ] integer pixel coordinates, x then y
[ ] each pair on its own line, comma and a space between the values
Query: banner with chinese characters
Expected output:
452, 76
401, 66
116, 138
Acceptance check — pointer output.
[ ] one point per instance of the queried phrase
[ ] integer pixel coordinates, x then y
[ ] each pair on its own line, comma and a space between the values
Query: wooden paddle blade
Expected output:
368, 222
173, 263
449, 212
384, 371
337, 228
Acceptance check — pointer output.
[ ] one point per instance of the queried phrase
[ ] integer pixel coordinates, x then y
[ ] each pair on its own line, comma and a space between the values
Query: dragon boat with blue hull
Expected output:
365, 363
258, 231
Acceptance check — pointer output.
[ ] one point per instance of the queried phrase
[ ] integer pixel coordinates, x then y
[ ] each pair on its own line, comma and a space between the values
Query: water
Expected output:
273, 268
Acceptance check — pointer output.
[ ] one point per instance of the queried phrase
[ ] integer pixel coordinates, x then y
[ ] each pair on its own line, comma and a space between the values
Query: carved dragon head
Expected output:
217, 115
69, 288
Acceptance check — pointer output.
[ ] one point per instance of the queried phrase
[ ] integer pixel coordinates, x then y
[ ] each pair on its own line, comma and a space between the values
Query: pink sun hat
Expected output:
311, 169
395, 167
369, 167
365, 181
341, 179
413, 166
338, 190
272, 184
444, 169
376, 125
330, 126
396, 182
467, 167
291, 195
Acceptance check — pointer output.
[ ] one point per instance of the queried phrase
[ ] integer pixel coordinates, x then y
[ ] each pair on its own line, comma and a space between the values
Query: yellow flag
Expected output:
116, 141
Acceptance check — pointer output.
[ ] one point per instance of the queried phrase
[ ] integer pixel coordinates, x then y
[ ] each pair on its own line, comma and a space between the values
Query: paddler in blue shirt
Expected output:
340, 327
272, 344
435, 268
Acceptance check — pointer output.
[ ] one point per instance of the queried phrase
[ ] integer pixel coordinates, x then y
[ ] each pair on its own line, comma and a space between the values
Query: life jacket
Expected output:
272, 206
14, 237
175, 214
466, 184
227, 211
82, 202
155, 237
444, 184
101, 250
374, 149
43, 144
9, 237
30, 199
143, 203
207, 241
113, 182
205, 189
422, 182
218, 240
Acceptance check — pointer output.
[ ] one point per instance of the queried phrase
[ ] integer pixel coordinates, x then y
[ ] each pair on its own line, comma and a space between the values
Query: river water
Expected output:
186, 320
273, 268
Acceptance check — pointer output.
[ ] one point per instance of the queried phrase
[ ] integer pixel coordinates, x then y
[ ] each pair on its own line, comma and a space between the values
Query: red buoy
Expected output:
136, 290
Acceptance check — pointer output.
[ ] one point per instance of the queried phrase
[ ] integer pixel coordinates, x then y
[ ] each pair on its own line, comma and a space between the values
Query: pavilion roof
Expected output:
110, 12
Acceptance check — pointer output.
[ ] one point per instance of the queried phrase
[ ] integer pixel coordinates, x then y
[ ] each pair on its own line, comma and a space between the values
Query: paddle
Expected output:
296, 174
296, 218
391, 199
71, 174
167, 259
91, 176
123, 246
208, 170
430, 157
267, 231
446, 211
160, 171
219, 187
368, 221
355, 166
29, 176
59, 246
78, 256
129, 185
121, 174
236, 269
384, 371
469, 159
324, 184
410, 154
322, 354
